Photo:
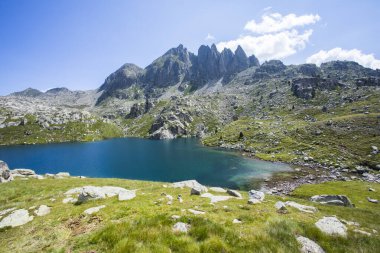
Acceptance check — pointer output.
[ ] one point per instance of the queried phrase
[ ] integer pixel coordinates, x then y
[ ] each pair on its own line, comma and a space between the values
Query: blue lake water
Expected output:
134, 158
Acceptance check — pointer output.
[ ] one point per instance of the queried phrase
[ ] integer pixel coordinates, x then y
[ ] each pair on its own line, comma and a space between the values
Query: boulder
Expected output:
309, 246
196, 191
280, 206
258, 195
190, 184
218, 189
331, 226
375, 201
24, 172
5, 174
337, 200
69, 200
234, 193
16, 218
42, 210
196, 212
214, 198
126, 195
111, 191
90, 193
253, 201
236, 221
181, 227
93, 209
302, 208
63, 174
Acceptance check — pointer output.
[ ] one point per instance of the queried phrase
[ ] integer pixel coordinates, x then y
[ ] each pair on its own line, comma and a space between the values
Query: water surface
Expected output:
135, 158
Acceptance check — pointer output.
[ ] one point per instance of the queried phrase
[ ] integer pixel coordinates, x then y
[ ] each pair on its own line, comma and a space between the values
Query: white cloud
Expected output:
209, 37
270, 46
275, 22
276, 37
367, 60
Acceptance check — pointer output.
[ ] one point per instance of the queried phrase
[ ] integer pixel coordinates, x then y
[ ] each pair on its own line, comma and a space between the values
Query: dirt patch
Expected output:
82, 224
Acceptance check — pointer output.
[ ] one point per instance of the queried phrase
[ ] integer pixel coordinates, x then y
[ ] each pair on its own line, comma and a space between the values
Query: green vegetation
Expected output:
32, 133
144, 224
341, 136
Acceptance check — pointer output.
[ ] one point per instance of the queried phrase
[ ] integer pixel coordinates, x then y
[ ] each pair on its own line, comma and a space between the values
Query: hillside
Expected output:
146, 222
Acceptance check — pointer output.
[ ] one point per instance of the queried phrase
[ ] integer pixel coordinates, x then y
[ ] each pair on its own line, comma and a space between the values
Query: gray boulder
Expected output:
337, 200
190, 184
42, 210
309, 246
5, 174
181, 227
90, 193
331, 226
16, 218
234, 193
258, 195
126, 195
24, 172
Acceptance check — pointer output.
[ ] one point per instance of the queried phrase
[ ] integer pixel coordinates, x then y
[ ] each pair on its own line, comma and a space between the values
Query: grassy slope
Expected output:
141, 225
73, 131
348, 140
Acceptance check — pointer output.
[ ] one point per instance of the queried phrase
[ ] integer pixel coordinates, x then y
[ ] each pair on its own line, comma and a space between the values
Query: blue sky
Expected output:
78, 43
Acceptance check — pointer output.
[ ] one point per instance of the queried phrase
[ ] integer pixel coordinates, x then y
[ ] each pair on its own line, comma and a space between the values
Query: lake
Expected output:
143, 159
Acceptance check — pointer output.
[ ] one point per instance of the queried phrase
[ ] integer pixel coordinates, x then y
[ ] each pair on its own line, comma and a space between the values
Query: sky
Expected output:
78, 43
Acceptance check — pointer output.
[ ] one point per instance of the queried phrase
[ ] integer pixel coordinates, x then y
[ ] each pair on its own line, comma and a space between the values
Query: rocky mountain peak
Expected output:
29, 92
240, 60
57, 90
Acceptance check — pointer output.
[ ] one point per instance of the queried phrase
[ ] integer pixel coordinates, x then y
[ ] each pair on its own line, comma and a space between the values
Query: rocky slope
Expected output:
325, 116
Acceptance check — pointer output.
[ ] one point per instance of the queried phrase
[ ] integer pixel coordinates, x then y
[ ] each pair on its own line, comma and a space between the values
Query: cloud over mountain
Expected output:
367, 60
275, 37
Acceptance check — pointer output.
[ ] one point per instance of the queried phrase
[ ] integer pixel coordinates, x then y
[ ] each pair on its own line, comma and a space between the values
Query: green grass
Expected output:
72, 131
144, 224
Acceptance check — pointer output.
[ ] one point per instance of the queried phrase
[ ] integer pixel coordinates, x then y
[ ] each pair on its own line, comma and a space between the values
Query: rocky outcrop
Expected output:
139, 109
5, 173
306, 87
95, 192
169, 125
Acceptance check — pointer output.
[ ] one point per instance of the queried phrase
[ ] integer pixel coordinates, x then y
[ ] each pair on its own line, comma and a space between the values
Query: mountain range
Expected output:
228, 99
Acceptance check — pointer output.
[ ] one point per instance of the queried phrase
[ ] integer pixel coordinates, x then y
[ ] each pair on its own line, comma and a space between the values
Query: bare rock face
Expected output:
170, 125
5, 174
